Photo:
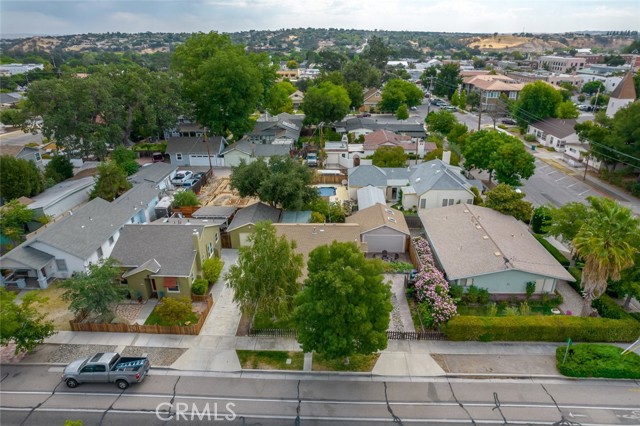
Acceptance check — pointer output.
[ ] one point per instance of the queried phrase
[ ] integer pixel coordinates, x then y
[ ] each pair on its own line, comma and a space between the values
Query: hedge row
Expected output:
593, 360
551, 249
577, 274
541, 329
608, 308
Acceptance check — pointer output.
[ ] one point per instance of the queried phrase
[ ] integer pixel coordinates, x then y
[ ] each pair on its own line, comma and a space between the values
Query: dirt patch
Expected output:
8, 355
57, 309
220, 193
162, 357
243, 325
128, 311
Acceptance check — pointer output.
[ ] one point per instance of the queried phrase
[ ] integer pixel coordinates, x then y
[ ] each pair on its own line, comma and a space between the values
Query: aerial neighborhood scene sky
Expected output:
57, 17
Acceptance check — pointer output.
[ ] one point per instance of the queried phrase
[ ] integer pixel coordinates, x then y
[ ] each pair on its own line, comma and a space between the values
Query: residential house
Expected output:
372, 97
309, 236
243, 222
370, 196
388, 179
9, 100
282, 127
250, 152
491, 87
193, 151
223, 215
164, 259
62, 197
380, 138
479, 246
555, 133
623, 95
435, 184
69, 245
297, 98
359, 126
382, 229
344, 154
160, 174
141, 200
30, 153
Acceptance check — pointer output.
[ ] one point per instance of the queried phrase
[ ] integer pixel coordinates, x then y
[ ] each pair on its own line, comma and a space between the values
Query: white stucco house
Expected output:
555, 133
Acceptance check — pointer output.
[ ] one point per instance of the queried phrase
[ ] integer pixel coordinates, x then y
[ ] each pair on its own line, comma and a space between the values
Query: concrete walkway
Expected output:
146, 311
571, 300
225, 316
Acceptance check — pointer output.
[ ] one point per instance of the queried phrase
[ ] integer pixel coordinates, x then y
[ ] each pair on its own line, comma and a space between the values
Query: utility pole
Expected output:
206, 142
595, 105
586, 163
480, 110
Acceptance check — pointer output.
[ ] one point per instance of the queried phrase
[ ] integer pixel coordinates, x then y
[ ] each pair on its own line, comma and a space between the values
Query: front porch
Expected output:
21, 280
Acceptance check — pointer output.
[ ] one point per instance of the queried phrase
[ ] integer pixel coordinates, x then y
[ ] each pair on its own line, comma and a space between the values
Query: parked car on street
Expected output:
364, 114
509, 121
585, 108
107, 367
181, 176
413, 108
449, 107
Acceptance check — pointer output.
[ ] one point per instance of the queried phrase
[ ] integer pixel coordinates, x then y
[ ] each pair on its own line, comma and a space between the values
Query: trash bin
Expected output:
533, 147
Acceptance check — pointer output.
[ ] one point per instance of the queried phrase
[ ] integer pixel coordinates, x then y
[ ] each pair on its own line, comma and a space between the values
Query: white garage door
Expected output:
203, 160
244, 236
390, 243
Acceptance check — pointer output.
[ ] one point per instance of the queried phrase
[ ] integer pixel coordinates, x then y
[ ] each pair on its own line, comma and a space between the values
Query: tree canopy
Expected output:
447, 81
19, 178
14, 217
325, 103
59, 168
537, 101
265, 278
344, 306
398, 92
282, 182
111, 182
224, 82
23, 323
441, 121
504, 199
278, 100
390, 156
567, 220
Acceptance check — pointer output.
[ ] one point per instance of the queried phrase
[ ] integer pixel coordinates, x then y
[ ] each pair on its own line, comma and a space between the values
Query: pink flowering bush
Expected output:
431, 289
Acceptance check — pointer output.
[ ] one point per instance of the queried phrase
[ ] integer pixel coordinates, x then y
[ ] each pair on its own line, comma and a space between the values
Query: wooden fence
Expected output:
193, 329
337, 179
391, 335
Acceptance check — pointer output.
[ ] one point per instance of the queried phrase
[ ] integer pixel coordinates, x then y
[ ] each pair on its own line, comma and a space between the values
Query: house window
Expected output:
171, 285
423, 203
210, 248
217, 237
444, 203
178, 156
451, 201
61, 264
38, 158
111, 240
469, 201
124, 281
100, 253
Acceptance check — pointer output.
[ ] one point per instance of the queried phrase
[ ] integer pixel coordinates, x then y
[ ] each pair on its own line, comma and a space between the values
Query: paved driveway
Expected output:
225, 316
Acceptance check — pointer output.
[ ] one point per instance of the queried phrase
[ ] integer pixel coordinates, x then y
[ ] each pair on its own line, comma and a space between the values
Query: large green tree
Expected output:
23, 323
377, 52
399, 92
447, 81
362, 72
265, 278
111, 182
283, 182
18, 178
59, 168
325, 103
344, 306
505, 199
95, 292
390, 156
567, 220
441, 121
278, 100
608, 242
567, 109
537, 101
592, 87
125, 159
223, 81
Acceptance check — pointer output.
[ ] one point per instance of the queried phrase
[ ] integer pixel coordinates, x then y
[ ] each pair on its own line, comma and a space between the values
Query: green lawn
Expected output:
262, 321
598, 360
360, 363
270, 360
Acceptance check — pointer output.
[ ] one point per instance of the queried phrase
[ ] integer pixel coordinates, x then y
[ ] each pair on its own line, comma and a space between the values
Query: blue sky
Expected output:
503, 16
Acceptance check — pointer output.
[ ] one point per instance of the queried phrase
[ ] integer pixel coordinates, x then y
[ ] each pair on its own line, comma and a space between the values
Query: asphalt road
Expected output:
20, 138
33, 395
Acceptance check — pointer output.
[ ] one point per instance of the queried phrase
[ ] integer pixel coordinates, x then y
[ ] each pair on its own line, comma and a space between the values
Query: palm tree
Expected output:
608, 242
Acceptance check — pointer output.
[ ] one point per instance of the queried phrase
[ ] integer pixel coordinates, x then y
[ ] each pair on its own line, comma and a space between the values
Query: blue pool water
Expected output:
327, 191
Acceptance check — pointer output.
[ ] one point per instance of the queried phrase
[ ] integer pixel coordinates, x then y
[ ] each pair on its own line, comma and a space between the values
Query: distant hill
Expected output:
546, 42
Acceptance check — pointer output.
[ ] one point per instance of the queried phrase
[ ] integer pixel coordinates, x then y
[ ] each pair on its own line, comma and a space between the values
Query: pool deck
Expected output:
342, 193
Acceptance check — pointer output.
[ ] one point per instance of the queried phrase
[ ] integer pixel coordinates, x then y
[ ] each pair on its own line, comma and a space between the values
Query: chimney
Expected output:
446, 157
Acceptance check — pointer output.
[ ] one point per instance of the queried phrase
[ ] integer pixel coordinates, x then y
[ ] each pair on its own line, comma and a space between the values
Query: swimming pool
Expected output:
327, 191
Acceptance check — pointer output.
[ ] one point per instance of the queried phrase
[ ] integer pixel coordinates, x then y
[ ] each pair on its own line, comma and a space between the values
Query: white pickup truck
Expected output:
107, 367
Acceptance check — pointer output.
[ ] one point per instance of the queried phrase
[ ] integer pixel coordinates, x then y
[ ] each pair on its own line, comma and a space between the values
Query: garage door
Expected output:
390, 243
244, 236
203, 160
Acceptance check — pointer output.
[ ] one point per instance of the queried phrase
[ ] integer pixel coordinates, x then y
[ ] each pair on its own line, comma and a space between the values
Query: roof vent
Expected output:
498, 254
466, 211
417, 179
389, 211
478, 227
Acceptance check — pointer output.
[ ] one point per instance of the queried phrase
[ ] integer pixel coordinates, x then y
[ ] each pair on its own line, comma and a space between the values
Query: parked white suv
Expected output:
181, 176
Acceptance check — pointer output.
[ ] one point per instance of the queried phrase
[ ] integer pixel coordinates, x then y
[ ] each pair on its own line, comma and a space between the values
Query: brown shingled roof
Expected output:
626, 89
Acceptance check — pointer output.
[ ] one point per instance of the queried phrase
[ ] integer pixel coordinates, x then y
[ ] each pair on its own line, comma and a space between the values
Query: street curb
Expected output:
351, 376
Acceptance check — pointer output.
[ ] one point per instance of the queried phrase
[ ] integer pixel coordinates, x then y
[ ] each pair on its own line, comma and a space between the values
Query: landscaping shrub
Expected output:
185, 199
175, 311
199, 286
456, 291
608, 308
635, 315
530, 137
551, 249
593, 360
397, 267
473, 294
530, 289
483, 296
541, 328
211, 269
577, 274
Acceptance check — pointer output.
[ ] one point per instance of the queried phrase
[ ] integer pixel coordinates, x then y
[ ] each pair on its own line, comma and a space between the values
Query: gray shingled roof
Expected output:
558, 127
252, 214
24, 257
214, 212
435, 174
87, 229
155, 173
367, 175
194, 145
471, 240
270, 150
138, 196
170, 246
